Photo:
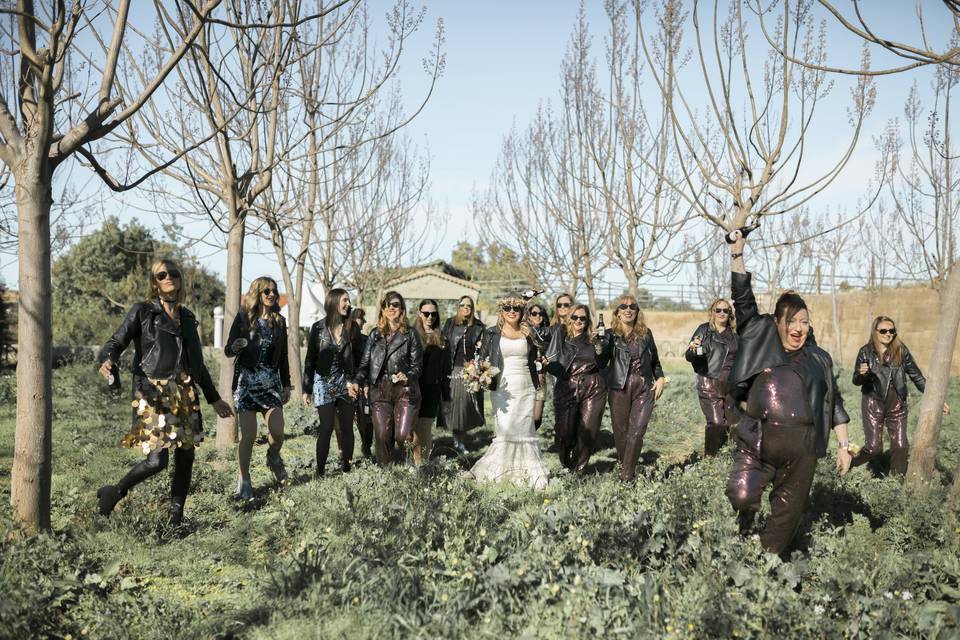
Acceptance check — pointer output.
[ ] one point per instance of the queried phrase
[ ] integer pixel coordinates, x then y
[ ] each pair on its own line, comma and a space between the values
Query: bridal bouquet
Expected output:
478, 374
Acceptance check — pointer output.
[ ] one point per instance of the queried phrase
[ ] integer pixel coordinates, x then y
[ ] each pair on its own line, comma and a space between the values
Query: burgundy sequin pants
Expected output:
395, 409
630, 411
783, 456
892, 414
578, 406
717, 410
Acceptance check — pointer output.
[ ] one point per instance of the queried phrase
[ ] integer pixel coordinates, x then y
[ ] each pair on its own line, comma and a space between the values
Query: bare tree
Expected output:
54, 114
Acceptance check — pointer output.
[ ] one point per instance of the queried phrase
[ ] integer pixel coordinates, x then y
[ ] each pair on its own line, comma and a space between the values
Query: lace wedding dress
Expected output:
514, 455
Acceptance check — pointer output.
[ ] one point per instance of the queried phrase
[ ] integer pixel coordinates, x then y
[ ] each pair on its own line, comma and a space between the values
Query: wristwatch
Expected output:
845, 444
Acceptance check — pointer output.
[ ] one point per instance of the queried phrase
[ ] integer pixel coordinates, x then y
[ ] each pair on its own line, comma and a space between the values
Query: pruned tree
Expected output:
47, 114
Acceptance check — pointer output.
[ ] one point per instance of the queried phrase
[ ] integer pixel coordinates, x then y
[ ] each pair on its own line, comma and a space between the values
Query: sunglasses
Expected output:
270, 292
578, 318
564, 305
632, 307
162, 275
516, 308
723, 311
430, 314
395, 304
884, 332
535, 314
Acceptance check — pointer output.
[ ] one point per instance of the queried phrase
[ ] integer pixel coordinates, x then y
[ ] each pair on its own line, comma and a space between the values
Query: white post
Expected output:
218, 327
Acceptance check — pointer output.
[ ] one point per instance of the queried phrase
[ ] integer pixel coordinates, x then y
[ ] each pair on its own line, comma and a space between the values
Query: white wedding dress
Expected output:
514, 455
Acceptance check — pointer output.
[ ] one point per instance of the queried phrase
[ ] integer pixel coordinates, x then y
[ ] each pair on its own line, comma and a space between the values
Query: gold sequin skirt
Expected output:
168, 415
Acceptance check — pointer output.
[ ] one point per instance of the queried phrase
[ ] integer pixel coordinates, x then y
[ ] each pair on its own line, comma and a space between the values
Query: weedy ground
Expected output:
379, 553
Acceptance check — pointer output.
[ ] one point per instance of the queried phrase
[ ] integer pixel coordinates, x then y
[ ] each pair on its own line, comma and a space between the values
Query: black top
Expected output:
276, 355
884, 375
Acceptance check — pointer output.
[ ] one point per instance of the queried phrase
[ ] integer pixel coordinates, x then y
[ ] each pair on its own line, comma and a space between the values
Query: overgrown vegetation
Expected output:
387, 553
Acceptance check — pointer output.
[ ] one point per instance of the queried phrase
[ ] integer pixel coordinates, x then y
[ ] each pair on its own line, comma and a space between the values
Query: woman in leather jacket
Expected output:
462, 334
327, 370
635, 382
577, 357
538, 319
711, 351
261, 380
167, 367
791, 403
435, 379
881, 371
361, 410
391, 366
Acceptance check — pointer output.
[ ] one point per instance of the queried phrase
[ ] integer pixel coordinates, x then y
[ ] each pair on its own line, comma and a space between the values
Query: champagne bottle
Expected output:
530, 294
601, 330
744, 232
113, 378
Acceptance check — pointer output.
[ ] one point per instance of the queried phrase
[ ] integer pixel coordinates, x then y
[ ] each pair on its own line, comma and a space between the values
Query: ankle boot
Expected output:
176, 514
107, 497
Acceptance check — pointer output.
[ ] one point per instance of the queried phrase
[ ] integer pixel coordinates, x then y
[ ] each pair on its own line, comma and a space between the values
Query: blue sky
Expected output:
503, 60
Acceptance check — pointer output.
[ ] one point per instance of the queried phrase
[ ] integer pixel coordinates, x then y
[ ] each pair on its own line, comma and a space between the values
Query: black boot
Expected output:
108, 496
176, 514
275, 464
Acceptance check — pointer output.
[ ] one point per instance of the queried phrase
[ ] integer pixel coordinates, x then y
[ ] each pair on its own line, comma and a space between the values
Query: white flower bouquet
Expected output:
478, 374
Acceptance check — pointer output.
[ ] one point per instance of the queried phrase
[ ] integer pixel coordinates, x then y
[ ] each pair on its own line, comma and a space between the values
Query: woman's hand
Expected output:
946, 409
400, 378
864, 368
694, 344
223, 409
105, 368
353, 390
286, 394
658, 388
844, 459
307, 399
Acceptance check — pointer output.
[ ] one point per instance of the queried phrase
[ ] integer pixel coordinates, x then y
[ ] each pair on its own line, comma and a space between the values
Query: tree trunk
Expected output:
227, 427
293, 344
835, 313
923, 456
32, 457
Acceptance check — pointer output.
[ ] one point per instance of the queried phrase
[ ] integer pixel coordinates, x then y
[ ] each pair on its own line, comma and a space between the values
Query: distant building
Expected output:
438, 280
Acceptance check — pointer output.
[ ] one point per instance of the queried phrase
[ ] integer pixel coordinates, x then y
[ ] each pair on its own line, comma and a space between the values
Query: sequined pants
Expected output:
156, 462
892, 414
335, 417
395, 409
783, 456
713, 404
630, 410
578, 406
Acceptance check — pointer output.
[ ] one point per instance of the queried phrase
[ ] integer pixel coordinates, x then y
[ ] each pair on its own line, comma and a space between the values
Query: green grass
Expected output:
386, 553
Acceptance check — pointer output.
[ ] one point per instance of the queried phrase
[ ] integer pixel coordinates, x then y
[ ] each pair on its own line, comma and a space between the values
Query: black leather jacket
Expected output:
761, 348
715, 349
618, 368
321, 352
472, 335
159, 345
490, 348
877, 381
250, 355
561, 352
403, 355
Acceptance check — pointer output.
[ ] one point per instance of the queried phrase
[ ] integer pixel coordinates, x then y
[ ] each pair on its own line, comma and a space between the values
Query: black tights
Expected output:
335, 417
156, 462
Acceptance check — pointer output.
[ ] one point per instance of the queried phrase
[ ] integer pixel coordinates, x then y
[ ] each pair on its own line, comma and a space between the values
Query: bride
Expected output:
514, 455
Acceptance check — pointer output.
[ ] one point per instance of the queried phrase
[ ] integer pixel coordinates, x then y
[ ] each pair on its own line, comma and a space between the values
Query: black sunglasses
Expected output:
269, 292
162, 275
430, 314
884, 332
394, 304
632, 307
721, 310
564, 305
535, 314
518, 308
578, 318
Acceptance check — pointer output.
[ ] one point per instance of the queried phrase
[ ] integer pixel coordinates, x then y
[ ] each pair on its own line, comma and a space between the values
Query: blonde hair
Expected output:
556, 319
512, 299
731, 317
383, 323
895, 347
253, 305
621, 328
589, 324
153, 287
